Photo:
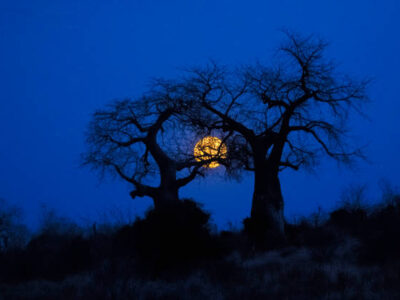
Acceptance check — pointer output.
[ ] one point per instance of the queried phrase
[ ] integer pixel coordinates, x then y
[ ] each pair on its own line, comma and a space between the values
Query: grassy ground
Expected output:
285, 274
350, 253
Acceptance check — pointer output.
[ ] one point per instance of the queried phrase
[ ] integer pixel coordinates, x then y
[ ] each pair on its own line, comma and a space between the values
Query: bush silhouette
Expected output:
380, 236
172, 236
321, 240
171, 252
13, 233
54, 256
349, 220
261, 235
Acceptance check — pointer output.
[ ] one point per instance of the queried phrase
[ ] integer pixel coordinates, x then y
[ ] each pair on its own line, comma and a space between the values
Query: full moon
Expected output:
208, 148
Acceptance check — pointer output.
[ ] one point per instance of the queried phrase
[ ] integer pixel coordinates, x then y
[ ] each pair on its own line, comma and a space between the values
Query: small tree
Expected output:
142, 139
277, 117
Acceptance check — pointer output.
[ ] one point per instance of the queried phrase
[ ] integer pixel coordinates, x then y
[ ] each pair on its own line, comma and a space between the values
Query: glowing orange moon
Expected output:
208, 148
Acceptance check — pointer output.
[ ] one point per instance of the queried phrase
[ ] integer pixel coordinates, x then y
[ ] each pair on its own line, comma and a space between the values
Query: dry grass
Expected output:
353, 254
290, 273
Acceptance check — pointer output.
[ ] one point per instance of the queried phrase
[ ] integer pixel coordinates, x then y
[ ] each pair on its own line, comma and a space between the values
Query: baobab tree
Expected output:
138, 140
278, 116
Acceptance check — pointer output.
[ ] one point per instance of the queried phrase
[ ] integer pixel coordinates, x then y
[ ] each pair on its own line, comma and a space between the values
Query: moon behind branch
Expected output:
208, 148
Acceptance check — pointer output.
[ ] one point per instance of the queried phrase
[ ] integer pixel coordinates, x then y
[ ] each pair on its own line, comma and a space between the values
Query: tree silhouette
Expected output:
13, 233
144, 138
277, 117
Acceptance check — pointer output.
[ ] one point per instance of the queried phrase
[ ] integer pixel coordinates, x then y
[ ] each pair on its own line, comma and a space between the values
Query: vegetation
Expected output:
284, 114
269, 118
351, 253
127, 139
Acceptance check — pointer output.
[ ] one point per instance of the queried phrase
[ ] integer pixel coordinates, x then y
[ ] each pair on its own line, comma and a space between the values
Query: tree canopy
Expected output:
284, 114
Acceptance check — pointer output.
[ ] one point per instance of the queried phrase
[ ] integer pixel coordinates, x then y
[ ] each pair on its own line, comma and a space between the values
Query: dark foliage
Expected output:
171, 254
350, 220
380, 236
177, 236
261, 235
47, 257
307, 235
169, 237
44, 253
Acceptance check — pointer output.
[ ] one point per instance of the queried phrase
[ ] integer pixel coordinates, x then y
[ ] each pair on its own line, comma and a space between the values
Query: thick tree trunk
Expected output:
267, 205
166, 194
166, 197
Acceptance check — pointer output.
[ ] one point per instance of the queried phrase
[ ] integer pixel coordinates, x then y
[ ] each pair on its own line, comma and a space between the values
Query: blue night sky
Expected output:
61, 60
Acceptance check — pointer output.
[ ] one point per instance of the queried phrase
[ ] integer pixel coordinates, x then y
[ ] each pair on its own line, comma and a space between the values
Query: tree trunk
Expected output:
166, 194
168, 191
166, 197
267, 205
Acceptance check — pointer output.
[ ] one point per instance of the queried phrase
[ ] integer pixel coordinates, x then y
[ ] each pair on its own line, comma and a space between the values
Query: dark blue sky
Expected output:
61, 60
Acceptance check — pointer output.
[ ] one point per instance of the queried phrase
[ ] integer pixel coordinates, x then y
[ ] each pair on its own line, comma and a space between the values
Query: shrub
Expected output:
13, 234
172, 236
259, 232
349, 221
54, 256
380, 237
